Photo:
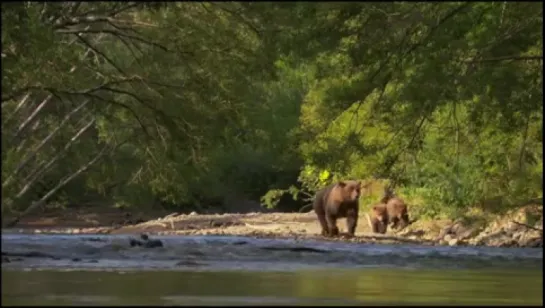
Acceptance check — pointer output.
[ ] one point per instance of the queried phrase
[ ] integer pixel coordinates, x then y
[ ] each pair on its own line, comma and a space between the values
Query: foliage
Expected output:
191, 105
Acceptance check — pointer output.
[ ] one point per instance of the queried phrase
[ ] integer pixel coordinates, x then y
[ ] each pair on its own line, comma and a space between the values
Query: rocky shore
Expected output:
520, 228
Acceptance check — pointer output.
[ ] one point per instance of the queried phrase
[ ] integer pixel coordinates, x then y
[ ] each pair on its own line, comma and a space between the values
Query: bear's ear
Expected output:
341, 184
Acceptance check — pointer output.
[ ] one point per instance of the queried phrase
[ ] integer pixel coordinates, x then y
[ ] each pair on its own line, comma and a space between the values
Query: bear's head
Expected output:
350, 190
380, 213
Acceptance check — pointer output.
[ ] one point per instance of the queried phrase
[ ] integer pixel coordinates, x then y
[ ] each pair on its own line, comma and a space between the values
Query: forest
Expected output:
196, 105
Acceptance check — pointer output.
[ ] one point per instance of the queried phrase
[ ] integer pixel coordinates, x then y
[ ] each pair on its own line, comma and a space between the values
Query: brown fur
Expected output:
397, 213
397, 209
379, 218
391, 209
337, 201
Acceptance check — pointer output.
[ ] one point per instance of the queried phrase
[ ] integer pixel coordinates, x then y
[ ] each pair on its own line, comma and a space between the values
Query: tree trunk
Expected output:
31, 117
19, 106
44, 142
60, 185
49, 164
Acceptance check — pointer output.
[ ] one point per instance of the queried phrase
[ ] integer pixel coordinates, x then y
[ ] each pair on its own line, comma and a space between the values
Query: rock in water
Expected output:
146, 242
153, 244
134, 242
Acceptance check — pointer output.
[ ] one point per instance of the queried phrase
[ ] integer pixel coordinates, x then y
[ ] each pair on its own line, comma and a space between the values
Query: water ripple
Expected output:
231, 252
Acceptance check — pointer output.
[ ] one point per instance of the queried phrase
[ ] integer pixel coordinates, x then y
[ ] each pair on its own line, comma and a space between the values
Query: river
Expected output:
228, 270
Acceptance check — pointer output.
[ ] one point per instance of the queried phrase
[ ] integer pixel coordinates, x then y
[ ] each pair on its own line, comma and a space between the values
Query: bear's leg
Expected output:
332, 224
323, 223
351, 221
395, 222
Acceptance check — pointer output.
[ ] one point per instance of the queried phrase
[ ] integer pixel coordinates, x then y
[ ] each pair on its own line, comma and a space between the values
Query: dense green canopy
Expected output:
197, 103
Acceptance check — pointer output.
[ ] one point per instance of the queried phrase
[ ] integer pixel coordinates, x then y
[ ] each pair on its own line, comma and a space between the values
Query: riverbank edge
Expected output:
518, 228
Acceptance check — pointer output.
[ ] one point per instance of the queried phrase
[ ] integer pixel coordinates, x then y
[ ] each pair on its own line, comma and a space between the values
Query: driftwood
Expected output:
527, 226
264, 227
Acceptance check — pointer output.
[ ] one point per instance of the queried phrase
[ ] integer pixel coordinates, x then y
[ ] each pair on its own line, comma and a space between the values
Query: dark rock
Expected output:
467, 233
537, 243
296, 249
146, 242
215, 224
508, 243
94, 239
134, 242
417, 233
531, 242
76, 259
31, 254
189, 263
153, 244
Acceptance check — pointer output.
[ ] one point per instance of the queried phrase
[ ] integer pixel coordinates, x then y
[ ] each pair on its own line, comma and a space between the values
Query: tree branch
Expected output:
113, 102
112, 32
506, 58
89, 45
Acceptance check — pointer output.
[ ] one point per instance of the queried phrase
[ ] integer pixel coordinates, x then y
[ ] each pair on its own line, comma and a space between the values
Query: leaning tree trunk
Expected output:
37, 173
60, 185
33, 153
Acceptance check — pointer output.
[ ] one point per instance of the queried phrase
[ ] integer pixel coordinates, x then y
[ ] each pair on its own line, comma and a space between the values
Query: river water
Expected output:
228, 270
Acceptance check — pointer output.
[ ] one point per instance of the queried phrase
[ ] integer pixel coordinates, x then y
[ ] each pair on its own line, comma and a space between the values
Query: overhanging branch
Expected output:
507, 58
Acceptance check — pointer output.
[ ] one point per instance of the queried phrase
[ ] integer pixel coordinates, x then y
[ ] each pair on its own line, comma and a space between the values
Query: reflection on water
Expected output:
316, 287
106, 270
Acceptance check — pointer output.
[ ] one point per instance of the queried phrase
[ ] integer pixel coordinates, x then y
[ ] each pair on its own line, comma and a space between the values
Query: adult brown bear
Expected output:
335, 201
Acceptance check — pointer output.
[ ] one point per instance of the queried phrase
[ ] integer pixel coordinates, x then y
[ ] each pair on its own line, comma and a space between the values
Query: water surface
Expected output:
206, 270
